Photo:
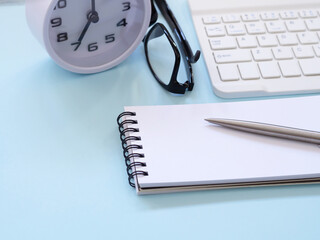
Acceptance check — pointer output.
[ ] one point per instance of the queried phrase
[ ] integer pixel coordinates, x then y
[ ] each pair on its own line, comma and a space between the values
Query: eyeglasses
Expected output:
163, 55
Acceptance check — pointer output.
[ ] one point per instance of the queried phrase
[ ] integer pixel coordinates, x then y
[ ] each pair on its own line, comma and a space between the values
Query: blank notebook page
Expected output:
182, 149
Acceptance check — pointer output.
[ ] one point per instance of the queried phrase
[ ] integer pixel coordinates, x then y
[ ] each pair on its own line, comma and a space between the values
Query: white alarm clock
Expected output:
88, 36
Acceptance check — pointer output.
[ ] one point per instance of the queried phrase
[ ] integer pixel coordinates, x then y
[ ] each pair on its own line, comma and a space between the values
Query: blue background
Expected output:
62, 173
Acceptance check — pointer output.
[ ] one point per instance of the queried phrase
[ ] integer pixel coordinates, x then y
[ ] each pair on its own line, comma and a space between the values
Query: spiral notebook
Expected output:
172, 148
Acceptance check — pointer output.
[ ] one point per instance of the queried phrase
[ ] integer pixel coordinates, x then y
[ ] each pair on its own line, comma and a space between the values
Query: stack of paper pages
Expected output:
181, 151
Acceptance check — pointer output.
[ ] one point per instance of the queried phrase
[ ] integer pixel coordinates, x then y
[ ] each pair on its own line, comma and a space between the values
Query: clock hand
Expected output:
93, 5
84, 31
93, 14
93, 17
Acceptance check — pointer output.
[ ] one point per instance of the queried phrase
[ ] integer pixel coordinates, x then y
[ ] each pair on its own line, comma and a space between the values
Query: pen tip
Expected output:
214, 120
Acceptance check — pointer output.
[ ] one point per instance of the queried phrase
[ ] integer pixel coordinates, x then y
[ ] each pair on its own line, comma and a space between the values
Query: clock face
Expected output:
95, 33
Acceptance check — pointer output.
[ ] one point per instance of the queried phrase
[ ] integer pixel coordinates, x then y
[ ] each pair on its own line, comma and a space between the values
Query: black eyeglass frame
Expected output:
188, 57
173, 86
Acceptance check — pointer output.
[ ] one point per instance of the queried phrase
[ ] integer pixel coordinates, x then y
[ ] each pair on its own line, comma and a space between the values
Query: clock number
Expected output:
110, 38
122, 23
93, 47
76, 43
61, 4
61, 37
56, 22
126, 6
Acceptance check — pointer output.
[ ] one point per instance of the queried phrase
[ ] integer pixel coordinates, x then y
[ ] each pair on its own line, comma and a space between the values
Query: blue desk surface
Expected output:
62, 171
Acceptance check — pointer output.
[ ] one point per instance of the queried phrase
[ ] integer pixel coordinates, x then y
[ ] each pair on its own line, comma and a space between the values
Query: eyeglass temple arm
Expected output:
154, 14
175, 27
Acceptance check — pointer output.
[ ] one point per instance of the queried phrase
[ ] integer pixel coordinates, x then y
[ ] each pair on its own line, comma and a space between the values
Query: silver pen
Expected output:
269, 130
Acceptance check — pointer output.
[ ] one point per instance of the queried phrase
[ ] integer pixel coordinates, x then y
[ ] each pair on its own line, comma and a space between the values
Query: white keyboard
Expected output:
261, 53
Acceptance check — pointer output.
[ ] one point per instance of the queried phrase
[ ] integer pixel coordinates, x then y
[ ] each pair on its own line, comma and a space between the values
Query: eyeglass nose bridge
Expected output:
157, 31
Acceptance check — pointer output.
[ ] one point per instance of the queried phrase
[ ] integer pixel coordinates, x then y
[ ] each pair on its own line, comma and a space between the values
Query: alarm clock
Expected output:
89, 36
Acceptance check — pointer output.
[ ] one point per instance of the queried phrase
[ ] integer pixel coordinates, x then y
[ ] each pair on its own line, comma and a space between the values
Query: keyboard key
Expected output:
316, 49
267, 41
290, 68
269, 70
310, 67
282, 53
275, 27
215, 31
308, 14
268, 16
211, 19
232, 56
308, 38
313, 24
288, 15
231, 18
249, 71
235, 29
255, 28
250, 17
303, 52
228, 72
221, 43
295, 26
287, 39
247, 42
262, 55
